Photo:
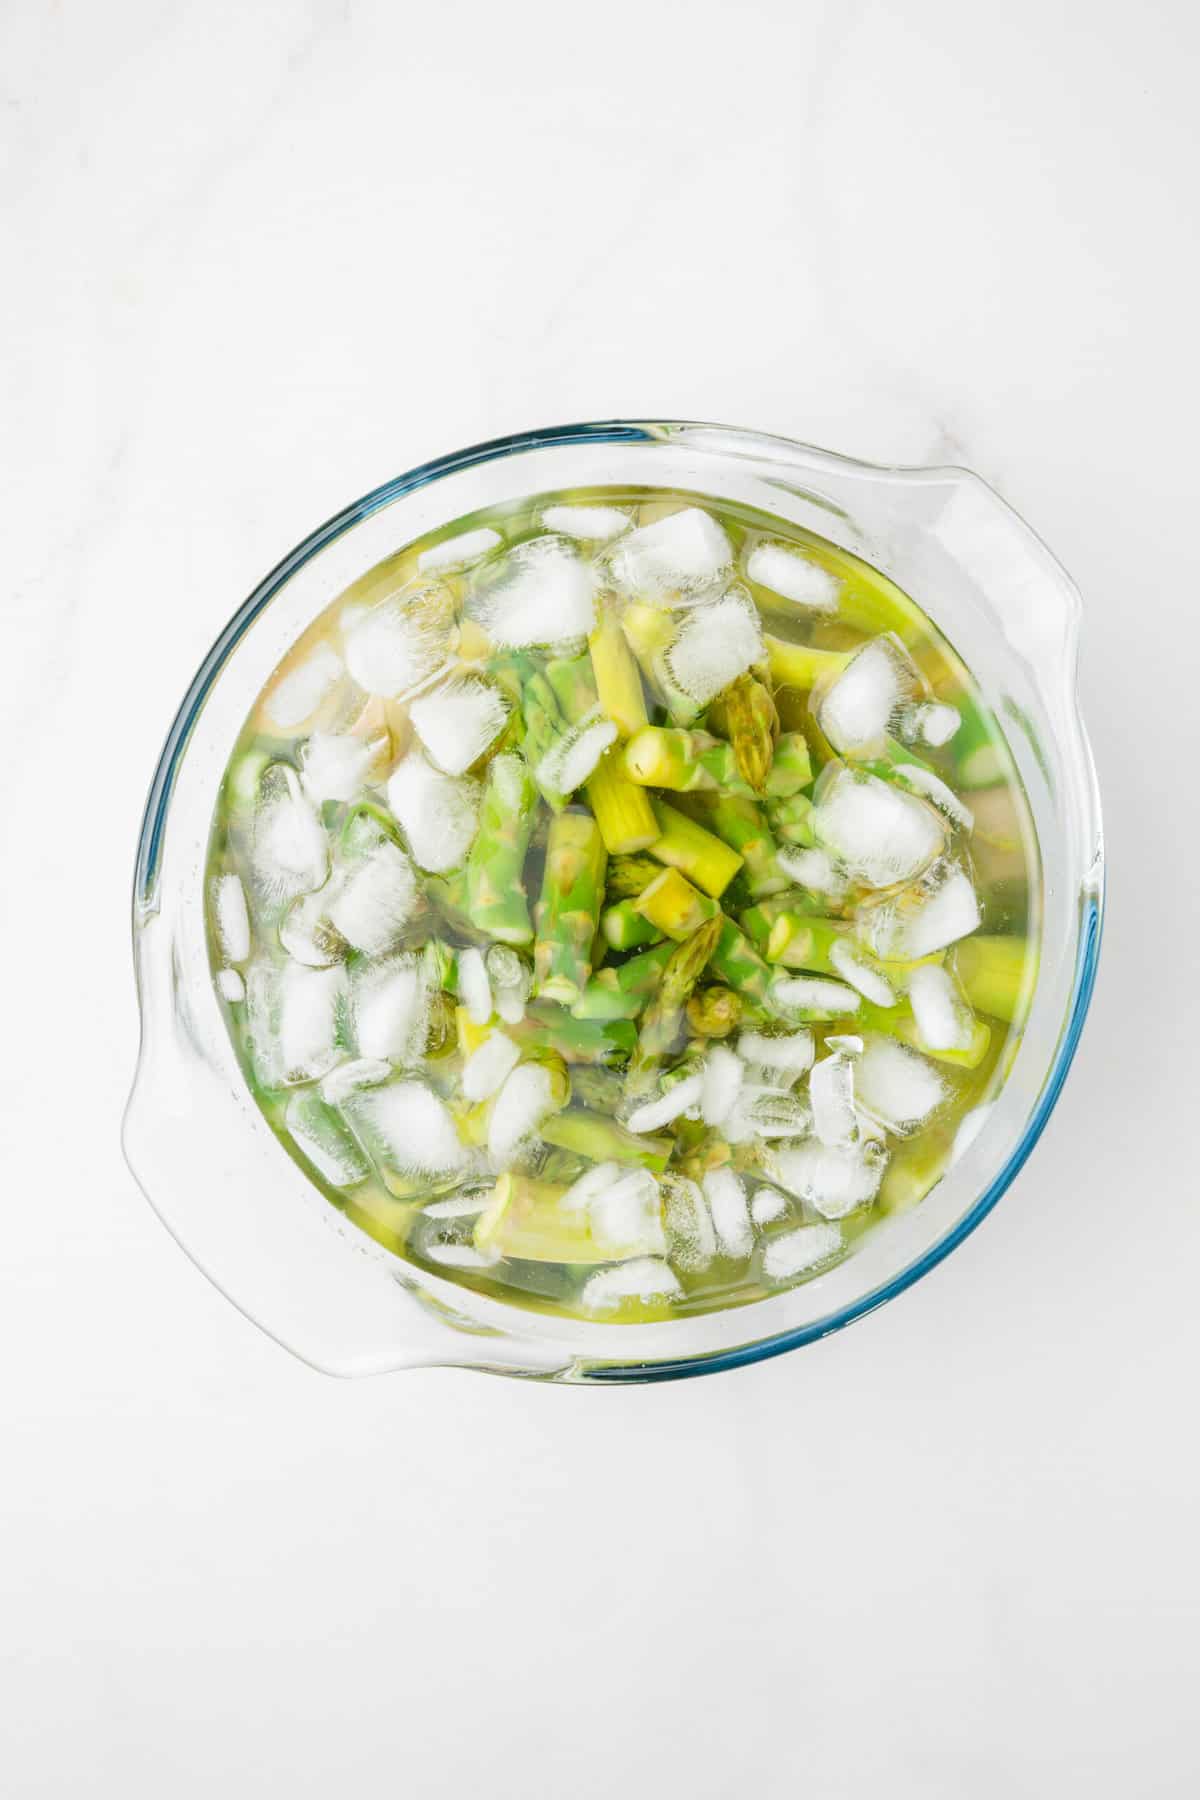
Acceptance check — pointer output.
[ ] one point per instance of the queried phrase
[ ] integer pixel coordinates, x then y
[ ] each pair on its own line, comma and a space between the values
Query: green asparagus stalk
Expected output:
713, 1012
622, 992
622, 809
624, 928
665, 1017
595, 1040
543, 729
496, 900
791, 820
628, 875
737, 963
673, 907
682, 761
997, 975
804, 941
696, 853
745, 714
802, 666
573, 686
568, 913
791, 768
618, 682
602, 1139
527, 1220
740, 823
756, 921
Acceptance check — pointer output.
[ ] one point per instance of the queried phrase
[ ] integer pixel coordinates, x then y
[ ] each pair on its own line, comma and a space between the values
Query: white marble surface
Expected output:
262, 257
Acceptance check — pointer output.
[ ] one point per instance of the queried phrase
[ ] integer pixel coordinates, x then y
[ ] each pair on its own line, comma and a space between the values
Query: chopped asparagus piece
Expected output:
618, 680
624, 928
745, 714
714, 1012
569, 909
699, 855
622, 992
622, 809
601, 1139
496, 900
673, 907
628, 875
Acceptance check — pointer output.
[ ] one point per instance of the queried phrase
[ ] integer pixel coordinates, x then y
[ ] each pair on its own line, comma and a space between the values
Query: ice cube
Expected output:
933, 723
860, 703
569, 762
306, 933
785, 571
730, 1214
796, 1252
487, 1069
400, 642
458, 1206
390, 1009
474, 988
831, 1092
931, 787
937, 911
897, 1085
944, 1019
334, 765
230, 986
788, 1055
408, 1129
459, 720
375, 899
542, 592
511, 980
833, 1179
681, 558
587, 524
814, 996
860, 973
311, 1022
815, 870
721, 1080
691, 1240
517, 1110
438, 813
297, 695
767, 1113
768, 1206
348, 1077
655, 1113
714, 645
623, 1209
322, 1136
880, 834
289, 852
845, 1041
970, 1126
645, 1278
457, 552
231, 918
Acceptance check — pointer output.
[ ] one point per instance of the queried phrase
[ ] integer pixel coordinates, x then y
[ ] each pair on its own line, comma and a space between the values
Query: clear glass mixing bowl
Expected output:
194, 1136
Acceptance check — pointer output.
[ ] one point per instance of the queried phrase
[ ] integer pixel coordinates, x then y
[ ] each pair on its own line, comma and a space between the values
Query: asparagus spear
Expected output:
997, 975
714, 1012
623, 927
804, 941
745, 714
699, 855
496, 900
622, 992
802, 666
664, 1018
791, 820
791, 768
756, 921
628, 875
602, 1139
543, 731
737, 963
673, 906
568, 913
618, 682
526, 1219
683, 761
740, 823
622, 809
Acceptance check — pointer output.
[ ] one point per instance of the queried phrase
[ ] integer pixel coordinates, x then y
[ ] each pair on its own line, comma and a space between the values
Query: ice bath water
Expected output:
622, 902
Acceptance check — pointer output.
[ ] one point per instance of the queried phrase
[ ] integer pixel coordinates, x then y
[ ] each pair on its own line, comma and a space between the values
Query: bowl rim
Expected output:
152, 830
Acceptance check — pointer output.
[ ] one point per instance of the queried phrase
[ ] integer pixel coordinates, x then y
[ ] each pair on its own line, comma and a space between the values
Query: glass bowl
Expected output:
194, 1137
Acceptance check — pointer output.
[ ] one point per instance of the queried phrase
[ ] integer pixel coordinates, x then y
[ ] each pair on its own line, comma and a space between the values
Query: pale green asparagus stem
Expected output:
602, 1139
699, 855
624, 928
622, 992
496, 900
745, 714
569, 910
664, 1019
